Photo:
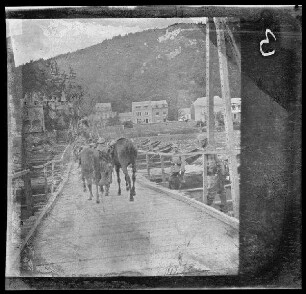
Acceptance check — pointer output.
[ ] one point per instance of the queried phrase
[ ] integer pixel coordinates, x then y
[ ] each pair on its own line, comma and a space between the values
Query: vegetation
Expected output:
135, 67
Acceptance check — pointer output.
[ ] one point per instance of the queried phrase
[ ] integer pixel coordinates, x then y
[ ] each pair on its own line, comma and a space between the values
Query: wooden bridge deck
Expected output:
154, 235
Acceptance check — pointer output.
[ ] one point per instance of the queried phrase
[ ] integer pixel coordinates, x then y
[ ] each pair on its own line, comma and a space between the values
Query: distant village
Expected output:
147, 112
144, 112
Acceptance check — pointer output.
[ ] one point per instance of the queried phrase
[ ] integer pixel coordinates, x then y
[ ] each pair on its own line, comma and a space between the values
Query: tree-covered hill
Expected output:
154, 64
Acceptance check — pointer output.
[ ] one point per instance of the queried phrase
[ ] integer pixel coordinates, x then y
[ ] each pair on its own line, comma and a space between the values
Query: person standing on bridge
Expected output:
106, 166
177, 168
216, 173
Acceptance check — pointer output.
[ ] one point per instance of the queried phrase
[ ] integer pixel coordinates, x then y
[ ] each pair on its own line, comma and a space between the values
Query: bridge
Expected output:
160, 233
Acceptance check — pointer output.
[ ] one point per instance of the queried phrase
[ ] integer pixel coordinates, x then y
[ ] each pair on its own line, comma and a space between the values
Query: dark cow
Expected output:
124, 153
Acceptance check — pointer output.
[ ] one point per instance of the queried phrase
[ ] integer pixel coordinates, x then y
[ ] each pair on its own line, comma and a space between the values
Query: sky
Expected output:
33, 39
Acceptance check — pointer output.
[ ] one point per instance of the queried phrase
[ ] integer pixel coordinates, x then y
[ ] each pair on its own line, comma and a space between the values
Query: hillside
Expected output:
154, 64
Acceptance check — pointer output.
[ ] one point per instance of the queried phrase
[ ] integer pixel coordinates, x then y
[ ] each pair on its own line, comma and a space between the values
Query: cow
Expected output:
124, 153
96, 167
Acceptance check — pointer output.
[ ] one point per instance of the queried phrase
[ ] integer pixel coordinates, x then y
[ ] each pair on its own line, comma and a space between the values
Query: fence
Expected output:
185, 156
19, 214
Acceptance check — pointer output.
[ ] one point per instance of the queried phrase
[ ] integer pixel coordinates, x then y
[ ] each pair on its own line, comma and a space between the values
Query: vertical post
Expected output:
204, 199
28, 193
163, 168
228, 115
148, 164
46, 180
52, 177
209, 98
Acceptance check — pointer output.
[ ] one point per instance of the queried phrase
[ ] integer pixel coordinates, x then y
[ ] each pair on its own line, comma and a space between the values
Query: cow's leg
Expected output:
127, 184
128, 179
118, 179
133, 192
107, 190
97, 191
84, 184
89, 184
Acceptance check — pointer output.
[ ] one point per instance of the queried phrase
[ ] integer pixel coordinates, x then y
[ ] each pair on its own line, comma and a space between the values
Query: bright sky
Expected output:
44, 38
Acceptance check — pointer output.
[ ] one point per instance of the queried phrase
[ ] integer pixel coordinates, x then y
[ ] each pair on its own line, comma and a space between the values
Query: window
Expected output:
138, 113
233, 107
146, 113
146, 120
235, 115
138, 120
157, 113
164, 112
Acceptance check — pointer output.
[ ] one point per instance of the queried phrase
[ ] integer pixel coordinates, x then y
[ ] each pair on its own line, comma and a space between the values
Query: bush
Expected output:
128, 124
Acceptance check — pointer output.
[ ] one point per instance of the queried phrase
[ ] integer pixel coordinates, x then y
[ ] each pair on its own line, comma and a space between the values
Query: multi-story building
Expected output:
104, 111
199, 109
236, 109
149, 111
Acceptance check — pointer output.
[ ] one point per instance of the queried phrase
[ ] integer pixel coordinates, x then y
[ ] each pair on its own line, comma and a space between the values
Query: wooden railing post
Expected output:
204, 199
162, 168
46, 180
28, 193
52, 177
148, 164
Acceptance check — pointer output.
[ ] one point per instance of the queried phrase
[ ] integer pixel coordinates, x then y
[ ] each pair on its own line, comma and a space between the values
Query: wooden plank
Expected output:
209, 97
28, 193
148, 164
52, 177
204, 199
20, 174
228, 113
162, 168
38, 221
232, 43
233, 222
235, 151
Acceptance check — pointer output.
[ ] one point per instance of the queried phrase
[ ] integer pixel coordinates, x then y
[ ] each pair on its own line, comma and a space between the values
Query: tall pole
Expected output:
227, 114
209, 98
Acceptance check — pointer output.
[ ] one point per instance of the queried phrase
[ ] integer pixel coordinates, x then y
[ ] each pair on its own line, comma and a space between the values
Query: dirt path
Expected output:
154, 235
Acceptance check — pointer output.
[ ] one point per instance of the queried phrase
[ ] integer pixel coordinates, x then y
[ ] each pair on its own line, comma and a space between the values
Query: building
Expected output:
104, 111
125, 116
236, 109
149, 111
199, 109
184, 114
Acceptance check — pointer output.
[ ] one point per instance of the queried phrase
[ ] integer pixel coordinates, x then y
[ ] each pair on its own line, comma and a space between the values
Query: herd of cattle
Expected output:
98, 159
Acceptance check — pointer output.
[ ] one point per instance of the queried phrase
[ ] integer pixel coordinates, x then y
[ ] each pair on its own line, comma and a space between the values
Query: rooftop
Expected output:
153, 104
103, 105
236, 100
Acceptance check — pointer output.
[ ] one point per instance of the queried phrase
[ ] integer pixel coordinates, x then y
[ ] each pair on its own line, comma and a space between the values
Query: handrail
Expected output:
214, 151
20, 174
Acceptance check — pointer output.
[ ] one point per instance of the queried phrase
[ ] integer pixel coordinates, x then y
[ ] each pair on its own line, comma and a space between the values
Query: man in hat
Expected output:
105, 166
177, 168
216, 176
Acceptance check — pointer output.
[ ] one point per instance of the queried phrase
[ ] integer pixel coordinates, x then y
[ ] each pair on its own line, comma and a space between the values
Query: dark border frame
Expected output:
283, 265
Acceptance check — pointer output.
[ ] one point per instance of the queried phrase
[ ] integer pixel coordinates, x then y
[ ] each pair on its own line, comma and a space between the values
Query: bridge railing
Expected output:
18, 228
150, 155
52, 174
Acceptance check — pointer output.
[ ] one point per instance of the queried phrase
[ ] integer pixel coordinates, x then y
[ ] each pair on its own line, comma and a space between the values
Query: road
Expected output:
154, 235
